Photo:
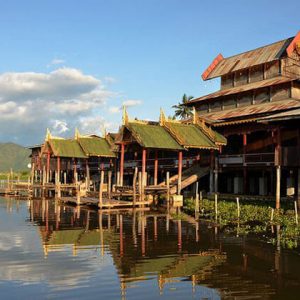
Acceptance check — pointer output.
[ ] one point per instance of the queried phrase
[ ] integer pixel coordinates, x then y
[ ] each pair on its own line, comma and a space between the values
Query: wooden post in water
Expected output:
238, 207
296, 212
109, 184
211, 172
144, 156
197, 200
122, 164
134, 185
278, 169
140, 186
101, 190
179, 172
216, 206
32, 174
155, 168
168, 190
58, 178
48, 167
88, 179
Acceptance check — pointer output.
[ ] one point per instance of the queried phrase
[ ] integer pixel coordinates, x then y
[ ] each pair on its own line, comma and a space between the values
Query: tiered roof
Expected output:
79, 147
171, 134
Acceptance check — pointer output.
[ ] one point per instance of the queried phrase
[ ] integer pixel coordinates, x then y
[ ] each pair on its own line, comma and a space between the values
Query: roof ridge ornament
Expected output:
48, 135
124, 116
77, 134
162, 117
195, 115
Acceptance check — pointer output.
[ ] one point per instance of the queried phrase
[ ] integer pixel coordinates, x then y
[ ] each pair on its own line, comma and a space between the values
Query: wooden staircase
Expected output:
189, 176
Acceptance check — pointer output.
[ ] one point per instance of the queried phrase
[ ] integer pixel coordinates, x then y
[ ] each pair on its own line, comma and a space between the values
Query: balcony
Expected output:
253, 159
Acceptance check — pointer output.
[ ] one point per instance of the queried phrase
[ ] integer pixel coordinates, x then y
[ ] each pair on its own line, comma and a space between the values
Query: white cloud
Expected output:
132, 102
30, 102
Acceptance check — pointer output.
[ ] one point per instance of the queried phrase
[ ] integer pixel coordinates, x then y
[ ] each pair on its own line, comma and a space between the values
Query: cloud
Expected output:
30, 102
132, 102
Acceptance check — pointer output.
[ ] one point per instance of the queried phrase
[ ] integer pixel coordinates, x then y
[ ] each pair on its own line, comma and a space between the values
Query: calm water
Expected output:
51, 251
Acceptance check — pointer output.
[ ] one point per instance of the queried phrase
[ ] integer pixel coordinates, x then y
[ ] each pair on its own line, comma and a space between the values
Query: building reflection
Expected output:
142, 244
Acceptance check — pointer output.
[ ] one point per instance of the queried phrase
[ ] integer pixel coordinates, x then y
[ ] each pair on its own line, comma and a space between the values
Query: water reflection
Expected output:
74, 252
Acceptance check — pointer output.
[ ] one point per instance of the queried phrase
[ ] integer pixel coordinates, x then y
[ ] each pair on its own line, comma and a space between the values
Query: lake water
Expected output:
52, 251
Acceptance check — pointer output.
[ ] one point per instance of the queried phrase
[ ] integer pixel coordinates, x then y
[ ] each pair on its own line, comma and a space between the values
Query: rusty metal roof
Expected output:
249, 112
248, 59
242, 88
286, 115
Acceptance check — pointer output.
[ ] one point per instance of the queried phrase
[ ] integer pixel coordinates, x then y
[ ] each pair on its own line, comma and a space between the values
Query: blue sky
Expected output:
93, 56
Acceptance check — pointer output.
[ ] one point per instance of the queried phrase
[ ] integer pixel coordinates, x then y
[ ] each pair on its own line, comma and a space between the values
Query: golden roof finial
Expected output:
77, 134
162, 117
104, 132
194, 115
125, 116
48, 135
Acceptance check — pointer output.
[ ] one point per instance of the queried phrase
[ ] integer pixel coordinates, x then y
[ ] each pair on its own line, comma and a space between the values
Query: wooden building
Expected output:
257, 109
67, 161
156, 148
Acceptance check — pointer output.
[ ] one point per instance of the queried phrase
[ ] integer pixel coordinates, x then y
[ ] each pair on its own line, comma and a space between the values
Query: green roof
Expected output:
95, 146
190, 135
152, 136
219, 138
66, 148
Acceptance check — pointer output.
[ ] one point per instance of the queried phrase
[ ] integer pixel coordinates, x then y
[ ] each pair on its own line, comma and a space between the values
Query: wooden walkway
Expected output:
106, 203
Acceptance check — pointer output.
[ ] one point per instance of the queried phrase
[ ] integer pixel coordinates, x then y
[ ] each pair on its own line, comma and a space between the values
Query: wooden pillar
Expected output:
32, 173
179, 172
216, 172
58, 178
244, 165
179, 229
109, 184
101, 190
278, 167
144, 158
155, 168
211, 172
134, 185
88, 178
48, 166
122, 164
75, 171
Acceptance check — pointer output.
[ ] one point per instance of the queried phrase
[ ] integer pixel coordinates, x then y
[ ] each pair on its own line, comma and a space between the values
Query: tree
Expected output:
181, 110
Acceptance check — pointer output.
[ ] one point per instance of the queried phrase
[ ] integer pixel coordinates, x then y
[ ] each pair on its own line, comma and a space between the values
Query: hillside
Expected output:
13, 156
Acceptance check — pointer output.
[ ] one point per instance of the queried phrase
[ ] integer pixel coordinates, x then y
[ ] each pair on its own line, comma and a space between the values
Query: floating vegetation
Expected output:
277, 227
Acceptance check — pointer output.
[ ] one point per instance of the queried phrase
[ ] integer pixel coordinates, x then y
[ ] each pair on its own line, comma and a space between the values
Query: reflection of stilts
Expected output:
245, 261
123, 289
161, 283
197, 231
57, 217
168, 223
43, 209
155, 227
179, 229
143, 236
101, 234
193, 284
121, 235
134, 237
47, 215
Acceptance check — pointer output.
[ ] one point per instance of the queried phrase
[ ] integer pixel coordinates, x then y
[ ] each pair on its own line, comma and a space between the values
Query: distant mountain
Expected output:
13, 156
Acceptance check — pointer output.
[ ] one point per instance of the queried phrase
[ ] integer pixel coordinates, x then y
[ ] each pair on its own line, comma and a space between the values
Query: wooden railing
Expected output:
248, 159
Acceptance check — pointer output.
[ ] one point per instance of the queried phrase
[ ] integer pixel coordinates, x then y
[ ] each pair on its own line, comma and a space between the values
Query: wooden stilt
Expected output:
109, 184
197, 200
211, 175
58, 178
122, 164
88, 180
179, 229
278, 179
216, 172
244, 165
134, 185
32, 173
144, 157
140, 186
101, 190
179, 172
278, 169
168, 190
155, 168
48, 167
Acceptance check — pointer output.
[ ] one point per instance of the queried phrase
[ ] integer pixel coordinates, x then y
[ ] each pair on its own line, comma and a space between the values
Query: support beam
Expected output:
179, 172
245, 190
122, 164
211, 172
278, 167
144, 158
88, 178
155, 167
48, 167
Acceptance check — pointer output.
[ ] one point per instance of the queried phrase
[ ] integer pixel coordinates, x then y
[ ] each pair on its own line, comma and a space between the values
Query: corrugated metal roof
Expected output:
242, 88
291, 114
256, 109
250, 58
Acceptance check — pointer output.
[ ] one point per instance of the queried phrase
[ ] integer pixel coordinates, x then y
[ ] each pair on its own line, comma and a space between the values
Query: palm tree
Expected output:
181, 110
